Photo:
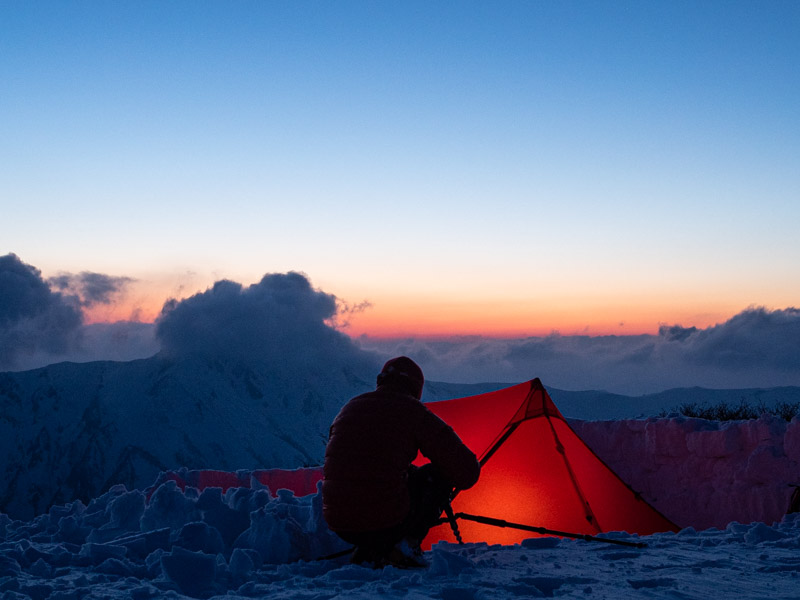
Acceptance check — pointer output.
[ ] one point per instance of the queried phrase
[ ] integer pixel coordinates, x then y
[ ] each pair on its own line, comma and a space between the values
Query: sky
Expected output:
503, 169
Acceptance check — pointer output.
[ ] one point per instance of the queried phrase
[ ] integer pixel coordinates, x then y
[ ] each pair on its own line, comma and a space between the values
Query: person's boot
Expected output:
365, 555
407, 554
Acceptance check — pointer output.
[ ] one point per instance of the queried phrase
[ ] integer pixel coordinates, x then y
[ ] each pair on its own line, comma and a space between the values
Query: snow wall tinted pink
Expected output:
703, 473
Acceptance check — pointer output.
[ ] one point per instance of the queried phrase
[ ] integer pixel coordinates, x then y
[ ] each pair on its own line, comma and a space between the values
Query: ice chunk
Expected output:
228, 522
276, 536
114, 566
200, 537
126, 510
97, 553
243, 562
140, 545
168, 507
761, 532
71, 530
36, 591
210, 499
193, 572
541, 542
9, 567
247, 500
448, 564
41, 569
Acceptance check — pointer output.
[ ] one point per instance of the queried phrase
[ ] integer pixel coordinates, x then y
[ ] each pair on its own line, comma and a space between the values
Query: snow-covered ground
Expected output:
252, 542
249, 543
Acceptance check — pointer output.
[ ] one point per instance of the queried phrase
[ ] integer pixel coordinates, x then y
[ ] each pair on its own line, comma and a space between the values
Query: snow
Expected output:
251, 542
728, 483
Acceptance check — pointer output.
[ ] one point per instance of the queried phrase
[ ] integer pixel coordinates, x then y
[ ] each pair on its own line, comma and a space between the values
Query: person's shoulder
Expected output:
409, 400
360, 399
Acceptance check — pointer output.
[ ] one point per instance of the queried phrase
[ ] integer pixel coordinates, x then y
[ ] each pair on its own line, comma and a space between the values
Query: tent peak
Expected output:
537, 403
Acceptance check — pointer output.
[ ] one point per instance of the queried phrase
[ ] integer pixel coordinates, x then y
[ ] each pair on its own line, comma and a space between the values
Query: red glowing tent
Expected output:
536, 471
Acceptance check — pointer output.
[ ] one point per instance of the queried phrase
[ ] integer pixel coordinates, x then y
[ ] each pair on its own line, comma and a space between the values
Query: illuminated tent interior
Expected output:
535, 471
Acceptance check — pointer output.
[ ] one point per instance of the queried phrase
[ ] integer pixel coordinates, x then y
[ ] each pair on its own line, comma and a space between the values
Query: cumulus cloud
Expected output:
756, 348
754, 338
33, 318
281, 320
91, 288
42, 322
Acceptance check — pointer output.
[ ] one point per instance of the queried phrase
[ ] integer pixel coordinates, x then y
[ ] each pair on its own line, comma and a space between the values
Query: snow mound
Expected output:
250, 543
194, 542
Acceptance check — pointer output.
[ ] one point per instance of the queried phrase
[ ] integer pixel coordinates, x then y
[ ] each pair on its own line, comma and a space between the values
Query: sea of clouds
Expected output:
42, 322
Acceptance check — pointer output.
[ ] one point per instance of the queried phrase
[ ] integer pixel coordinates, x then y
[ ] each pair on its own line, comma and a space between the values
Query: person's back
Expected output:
373, 441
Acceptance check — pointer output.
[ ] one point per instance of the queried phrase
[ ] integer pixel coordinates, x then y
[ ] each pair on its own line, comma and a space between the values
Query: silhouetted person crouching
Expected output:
372, 495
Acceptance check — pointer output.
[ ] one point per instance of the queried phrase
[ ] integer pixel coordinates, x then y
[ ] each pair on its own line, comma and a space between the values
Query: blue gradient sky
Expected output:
500, 168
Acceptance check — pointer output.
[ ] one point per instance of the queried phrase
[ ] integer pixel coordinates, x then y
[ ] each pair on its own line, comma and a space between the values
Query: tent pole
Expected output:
451, 518
496, 446
544, 531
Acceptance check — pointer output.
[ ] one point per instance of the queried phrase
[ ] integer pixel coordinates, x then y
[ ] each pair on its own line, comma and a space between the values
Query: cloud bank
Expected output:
91, 288
281, 320
756, 348
33, 319
284, 321
41, 321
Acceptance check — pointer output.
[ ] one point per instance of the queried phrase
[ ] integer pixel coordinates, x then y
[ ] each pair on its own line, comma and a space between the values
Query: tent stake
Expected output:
544, 531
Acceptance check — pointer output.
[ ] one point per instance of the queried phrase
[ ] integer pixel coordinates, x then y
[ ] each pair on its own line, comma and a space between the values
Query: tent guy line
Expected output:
540, 530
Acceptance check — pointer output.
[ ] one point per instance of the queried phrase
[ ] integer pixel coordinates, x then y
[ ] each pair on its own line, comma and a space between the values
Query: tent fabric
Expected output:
536, 471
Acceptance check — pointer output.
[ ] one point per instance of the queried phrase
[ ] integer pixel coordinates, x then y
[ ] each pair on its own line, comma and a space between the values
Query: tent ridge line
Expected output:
590, 516
637, 495
511, 426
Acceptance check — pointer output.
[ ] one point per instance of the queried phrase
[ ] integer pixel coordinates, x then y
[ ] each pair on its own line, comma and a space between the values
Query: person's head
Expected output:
402, 374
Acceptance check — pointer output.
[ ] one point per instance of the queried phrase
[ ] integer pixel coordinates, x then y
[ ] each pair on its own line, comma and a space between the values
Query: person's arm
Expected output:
442, 446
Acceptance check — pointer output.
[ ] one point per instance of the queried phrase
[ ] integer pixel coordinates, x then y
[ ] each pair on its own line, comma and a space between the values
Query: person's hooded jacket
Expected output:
373, 441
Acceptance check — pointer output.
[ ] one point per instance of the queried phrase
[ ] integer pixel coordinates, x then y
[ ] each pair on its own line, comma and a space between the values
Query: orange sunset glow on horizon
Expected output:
427, 317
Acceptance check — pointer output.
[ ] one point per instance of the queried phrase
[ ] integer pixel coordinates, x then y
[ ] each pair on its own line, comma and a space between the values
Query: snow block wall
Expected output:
702, 473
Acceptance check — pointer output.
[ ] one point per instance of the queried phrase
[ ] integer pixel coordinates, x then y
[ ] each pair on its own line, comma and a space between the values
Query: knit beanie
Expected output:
404, 374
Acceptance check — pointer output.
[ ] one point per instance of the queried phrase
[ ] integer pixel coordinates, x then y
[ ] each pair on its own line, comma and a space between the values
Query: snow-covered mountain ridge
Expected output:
70, 431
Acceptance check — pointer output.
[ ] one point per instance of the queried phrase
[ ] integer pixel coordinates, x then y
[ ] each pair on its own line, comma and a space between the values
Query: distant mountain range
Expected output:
599, 405
70, 431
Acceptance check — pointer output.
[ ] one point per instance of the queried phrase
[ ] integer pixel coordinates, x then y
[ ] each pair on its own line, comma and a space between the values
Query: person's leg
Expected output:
430, 493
